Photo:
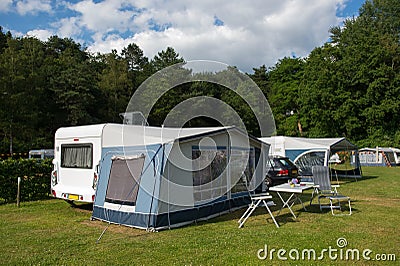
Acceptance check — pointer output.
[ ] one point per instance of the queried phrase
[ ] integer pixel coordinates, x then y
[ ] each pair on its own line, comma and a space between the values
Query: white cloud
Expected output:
42, 35
253, 33
68, 27
5, 5
106, 16
33, 6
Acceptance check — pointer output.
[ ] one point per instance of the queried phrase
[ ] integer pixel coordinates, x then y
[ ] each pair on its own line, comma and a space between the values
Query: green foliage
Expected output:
284, 80
166, 58
350, 86
35, 179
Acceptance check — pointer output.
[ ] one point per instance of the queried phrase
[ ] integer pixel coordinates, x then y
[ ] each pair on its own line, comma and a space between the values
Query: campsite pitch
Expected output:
52, 232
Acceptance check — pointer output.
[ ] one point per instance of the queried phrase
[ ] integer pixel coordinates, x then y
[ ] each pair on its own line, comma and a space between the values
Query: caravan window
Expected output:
77, 156
124, 181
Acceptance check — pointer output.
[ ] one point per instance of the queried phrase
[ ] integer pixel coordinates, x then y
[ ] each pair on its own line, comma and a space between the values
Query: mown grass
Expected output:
52, 232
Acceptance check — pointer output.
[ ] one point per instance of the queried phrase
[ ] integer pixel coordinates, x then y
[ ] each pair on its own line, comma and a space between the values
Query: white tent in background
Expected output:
379, 156
338, 153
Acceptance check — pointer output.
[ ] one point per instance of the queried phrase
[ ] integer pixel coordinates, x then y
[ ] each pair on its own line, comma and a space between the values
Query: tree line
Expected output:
348, 87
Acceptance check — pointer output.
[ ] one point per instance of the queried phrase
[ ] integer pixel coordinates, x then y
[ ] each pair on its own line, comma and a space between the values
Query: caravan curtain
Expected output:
77, 156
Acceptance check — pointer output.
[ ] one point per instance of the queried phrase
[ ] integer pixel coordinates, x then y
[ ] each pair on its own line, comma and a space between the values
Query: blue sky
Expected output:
246, 34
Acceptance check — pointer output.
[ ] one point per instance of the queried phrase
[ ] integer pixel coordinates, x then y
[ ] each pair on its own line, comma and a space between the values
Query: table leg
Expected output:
302, 204
286, 203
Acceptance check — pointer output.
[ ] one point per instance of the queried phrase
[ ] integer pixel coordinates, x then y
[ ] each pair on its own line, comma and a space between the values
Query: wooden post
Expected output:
18, 191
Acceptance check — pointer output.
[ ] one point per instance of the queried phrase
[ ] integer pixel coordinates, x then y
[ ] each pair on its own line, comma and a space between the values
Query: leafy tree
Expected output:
368, 72
138, 65
166, 58
71, 79
284, 81
3, 39
260, 77
114, 84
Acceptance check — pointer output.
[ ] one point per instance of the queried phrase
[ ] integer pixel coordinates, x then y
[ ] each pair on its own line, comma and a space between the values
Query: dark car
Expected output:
281, 169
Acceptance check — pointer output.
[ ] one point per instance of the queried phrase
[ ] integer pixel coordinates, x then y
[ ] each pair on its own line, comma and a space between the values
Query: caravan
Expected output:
157, 177
77, 153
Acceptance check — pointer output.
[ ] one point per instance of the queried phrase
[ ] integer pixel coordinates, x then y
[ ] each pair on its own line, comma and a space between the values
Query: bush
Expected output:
35, 179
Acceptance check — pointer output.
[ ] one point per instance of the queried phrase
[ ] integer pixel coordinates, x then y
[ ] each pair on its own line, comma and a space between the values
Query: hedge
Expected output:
35, 179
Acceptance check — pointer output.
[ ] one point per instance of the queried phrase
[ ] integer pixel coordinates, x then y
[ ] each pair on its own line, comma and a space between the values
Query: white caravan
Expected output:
77, 153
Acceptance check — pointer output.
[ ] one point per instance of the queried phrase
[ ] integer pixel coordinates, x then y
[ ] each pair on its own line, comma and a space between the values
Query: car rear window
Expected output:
285, 162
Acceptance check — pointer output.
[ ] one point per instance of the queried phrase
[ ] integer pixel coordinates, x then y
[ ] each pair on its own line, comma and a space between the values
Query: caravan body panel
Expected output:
77, 154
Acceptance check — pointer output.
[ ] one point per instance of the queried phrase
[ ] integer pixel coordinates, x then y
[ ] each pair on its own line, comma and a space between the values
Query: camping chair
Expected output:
256, 200
317, 181
324, 189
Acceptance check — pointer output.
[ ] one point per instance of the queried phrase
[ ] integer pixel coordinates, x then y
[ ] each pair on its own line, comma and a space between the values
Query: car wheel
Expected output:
268, 182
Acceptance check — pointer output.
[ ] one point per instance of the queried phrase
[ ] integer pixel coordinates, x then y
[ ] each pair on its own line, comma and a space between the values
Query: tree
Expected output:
114, 84
72, 80
284, 81
166, 58
3, 39
137, 65
368, 71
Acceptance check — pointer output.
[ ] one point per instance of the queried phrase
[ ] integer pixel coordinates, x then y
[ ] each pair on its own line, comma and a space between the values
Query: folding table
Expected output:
293, 191
255, 202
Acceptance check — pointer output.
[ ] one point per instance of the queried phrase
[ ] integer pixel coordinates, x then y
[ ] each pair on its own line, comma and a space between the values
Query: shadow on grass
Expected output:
81, 205
357, 179
282, 218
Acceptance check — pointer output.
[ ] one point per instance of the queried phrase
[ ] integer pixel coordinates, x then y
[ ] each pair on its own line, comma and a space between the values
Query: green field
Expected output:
52, 232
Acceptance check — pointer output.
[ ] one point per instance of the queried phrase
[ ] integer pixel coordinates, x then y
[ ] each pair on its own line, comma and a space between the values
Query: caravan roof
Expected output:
120, 134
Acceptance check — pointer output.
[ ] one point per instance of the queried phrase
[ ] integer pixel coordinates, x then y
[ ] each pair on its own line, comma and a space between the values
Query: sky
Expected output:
245, 34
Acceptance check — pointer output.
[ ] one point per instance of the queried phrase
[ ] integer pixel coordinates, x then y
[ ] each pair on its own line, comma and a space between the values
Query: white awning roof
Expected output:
295, 143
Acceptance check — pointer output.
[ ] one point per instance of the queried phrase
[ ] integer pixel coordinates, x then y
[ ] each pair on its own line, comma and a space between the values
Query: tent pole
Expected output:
169, 219
105, 229
228, 179
155, 181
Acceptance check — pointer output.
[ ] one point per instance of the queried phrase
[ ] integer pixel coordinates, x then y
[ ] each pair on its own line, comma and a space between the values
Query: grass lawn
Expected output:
52, 232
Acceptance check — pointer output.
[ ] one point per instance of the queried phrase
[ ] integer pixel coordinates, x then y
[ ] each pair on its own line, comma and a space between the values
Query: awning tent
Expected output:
167, 177
379, 156
337, 153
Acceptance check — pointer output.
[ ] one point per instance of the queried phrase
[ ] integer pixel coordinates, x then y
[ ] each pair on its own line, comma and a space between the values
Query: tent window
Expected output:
209, 181
242, 169
77, 156
124, 181
308, 160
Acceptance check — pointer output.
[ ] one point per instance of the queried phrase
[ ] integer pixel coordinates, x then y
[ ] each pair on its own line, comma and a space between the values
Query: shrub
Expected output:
35, 179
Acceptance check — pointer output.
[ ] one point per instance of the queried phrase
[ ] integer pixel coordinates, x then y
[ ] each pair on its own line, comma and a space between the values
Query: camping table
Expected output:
293, 191
255, 201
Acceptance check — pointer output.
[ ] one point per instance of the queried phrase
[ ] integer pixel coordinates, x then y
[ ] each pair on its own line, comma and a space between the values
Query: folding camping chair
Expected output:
256, 199
324, 189
316, 181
